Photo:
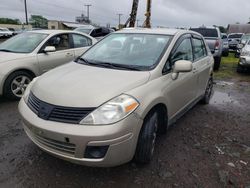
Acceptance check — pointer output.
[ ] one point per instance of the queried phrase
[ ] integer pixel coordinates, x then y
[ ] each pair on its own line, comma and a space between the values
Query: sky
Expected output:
166, 13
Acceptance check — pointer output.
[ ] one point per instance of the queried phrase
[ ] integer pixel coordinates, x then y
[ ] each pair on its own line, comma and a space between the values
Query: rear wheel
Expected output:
147, 138
217, 61
208, 92
240, 69
16, 84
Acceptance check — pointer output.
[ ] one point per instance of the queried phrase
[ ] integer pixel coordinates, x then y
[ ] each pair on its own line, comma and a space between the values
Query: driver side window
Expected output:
60, 42
183, 52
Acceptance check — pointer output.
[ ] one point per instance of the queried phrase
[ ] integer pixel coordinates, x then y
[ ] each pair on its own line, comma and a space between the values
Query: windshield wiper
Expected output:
5, 50
109, 65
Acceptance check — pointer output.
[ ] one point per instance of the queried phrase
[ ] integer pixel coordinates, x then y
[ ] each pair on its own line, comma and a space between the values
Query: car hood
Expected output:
7, 56
77, 85
246, 48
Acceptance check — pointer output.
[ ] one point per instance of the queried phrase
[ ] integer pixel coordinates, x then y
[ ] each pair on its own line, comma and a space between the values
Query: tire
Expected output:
16, 84
240, 69
147, 138
208, 92
217, 61
226, 54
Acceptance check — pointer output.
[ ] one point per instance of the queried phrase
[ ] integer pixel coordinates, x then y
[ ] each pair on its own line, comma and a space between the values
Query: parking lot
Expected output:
208, 147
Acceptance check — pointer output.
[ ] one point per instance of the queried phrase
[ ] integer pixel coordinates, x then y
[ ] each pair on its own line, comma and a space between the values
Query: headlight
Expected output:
27, 90
112, 111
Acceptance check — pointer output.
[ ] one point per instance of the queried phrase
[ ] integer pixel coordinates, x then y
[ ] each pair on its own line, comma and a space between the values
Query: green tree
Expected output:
38, 21
222, 29
9, 21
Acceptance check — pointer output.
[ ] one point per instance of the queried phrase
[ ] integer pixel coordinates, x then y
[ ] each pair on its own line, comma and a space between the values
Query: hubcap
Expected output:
19, 85
209, 89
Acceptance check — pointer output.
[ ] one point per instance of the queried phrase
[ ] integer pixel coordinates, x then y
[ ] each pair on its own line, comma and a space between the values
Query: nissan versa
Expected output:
107, 107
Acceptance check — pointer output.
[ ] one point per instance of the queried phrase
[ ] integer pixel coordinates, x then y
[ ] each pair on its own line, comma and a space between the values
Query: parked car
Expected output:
33, 53
243, 41
97, 32
4, 32
234, 40
213, 38
225, 50
106, 107
244, 61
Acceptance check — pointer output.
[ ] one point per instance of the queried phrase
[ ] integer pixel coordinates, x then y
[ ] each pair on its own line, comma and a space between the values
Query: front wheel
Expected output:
16, 84
147, 138
208, 92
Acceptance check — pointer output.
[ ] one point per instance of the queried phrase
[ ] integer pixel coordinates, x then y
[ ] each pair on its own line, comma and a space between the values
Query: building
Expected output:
14, 26
63, 25
238, 28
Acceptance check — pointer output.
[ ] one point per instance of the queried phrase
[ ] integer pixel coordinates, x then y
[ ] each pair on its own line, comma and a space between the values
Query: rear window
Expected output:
235, 36
206, 32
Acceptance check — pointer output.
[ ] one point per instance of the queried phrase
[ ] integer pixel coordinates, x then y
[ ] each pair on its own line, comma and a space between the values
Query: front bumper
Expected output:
1, 84
244, 61
69, 141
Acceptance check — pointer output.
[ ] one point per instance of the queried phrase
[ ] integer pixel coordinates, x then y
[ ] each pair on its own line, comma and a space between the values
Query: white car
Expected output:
244, 62
33, 53
4, 32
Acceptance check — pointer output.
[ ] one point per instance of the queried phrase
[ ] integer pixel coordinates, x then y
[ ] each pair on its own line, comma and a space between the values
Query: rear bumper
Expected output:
69, 141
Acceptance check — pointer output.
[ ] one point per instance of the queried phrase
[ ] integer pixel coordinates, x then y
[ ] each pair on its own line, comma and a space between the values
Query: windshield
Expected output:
86, 31
235, 36
23, 43
245, 38
141, 51
206, 32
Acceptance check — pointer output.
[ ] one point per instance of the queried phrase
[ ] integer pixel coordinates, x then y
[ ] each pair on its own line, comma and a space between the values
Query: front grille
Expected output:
63, 147
57, 113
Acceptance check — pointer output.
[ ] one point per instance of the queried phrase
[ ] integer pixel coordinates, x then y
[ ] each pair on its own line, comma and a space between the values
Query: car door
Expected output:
80, 43
64, 52
180, 92
201, 65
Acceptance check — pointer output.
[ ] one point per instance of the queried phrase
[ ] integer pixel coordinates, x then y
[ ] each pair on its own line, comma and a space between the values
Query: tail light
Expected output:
217, 44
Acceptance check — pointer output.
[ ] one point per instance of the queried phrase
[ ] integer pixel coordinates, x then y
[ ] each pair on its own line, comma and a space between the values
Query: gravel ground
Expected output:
207, 147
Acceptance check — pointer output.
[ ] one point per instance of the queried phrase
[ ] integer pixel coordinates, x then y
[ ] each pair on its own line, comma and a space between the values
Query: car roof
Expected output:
53, 31
162, 31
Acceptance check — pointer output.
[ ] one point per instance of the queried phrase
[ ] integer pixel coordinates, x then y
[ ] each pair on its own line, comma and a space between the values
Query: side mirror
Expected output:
49, 49
181, 66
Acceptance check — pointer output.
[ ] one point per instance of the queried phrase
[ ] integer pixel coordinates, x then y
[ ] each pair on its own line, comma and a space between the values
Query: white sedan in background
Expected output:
4, 32
33, 53
244, 61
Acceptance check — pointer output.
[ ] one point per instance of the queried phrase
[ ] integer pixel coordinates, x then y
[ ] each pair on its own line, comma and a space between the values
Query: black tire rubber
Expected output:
240, 69
208, 92
226, 54
145, 143
7, 93
217, 61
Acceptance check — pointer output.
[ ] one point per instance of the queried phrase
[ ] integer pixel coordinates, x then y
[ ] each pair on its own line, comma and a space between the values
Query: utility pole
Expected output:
119, 26
137, 23
26, 13
88, 10
147, 22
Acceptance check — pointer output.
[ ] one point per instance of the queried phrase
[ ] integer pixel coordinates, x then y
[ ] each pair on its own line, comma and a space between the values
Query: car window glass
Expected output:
183, 52
81, 41
199, 49
60, 42
206, 32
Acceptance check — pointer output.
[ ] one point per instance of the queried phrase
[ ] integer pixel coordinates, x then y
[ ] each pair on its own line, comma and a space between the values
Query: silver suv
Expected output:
108, 106
214, 40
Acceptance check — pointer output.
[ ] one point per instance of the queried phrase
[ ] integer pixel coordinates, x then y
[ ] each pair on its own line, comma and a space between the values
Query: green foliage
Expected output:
228, 69
38, 21
222, 29
10, 21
